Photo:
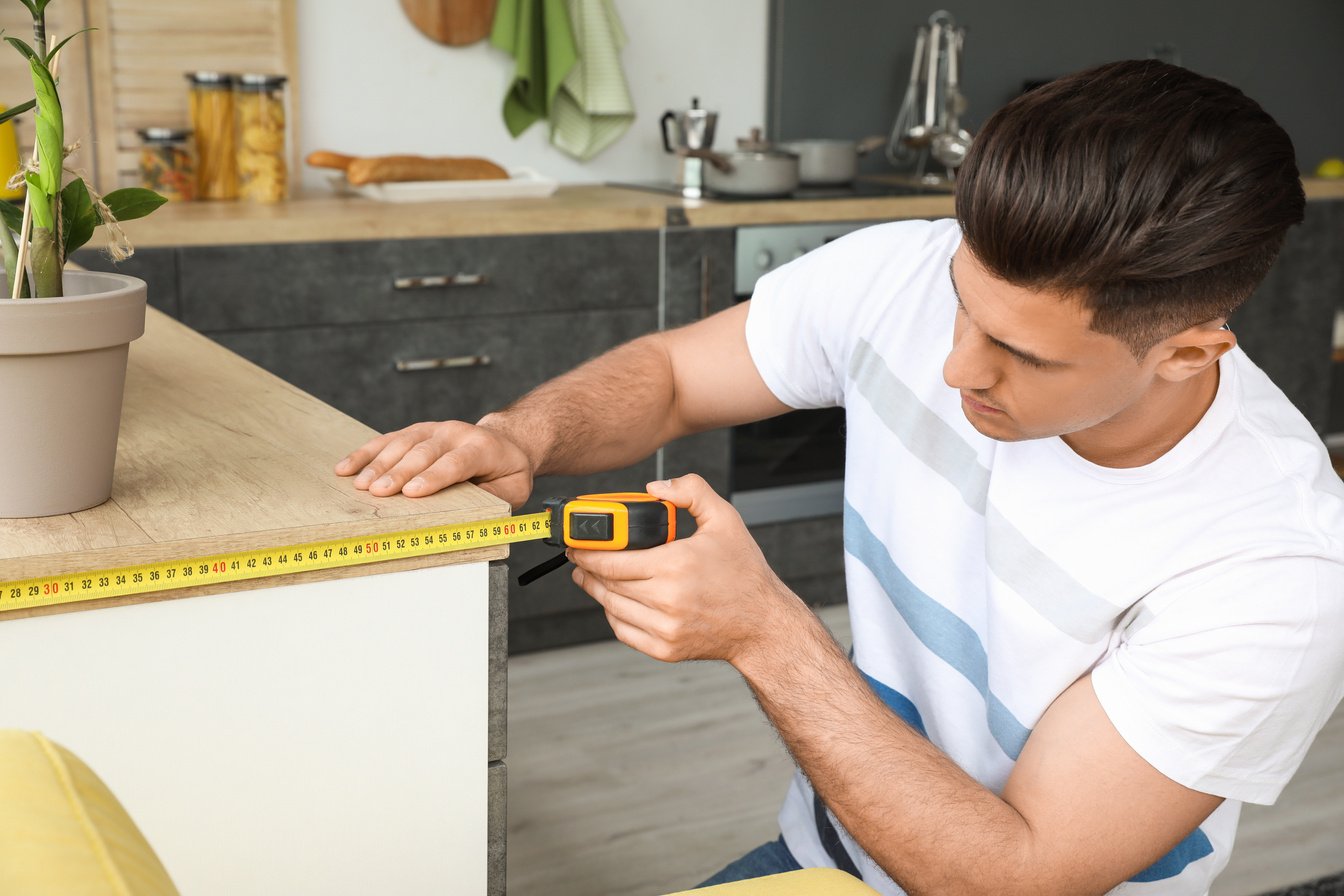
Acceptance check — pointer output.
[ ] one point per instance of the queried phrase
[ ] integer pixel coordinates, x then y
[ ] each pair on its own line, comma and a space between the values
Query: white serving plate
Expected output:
521, 182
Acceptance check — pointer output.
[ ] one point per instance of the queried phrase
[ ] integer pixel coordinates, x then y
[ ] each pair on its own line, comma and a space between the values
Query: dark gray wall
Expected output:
838, 68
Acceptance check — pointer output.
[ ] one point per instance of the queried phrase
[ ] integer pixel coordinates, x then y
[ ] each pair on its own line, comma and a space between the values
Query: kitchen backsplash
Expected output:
840, 69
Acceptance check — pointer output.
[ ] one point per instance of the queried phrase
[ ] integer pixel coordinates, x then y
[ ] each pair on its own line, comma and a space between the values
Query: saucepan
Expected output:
826, 162
755, 168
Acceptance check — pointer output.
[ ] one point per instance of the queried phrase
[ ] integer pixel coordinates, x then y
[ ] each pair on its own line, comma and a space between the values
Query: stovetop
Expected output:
859, 189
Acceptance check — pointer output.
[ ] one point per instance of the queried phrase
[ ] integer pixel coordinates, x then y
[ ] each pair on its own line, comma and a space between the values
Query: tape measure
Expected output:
617, 521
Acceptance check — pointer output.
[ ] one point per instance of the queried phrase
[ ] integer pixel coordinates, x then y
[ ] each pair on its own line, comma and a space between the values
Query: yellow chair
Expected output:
64, 830
68, 834
808, 882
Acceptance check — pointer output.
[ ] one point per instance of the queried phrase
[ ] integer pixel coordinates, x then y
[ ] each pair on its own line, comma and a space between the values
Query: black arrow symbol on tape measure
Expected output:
591, 527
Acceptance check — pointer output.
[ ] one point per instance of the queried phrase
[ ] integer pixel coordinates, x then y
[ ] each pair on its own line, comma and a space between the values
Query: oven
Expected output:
789, 467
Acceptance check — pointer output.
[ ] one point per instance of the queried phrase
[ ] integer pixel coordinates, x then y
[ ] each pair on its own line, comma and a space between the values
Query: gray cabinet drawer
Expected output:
353, 368
305, 284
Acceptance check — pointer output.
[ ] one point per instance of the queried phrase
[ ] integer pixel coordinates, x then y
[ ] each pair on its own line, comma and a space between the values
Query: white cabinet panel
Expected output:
323, 738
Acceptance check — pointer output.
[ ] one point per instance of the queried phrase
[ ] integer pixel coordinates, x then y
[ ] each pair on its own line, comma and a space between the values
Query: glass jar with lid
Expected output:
211, 103
259, 103
166, 165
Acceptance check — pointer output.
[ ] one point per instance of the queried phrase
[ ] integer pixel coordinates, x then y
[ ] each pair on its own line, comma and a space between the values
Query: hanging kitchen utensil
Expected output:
950, 146
898, 151
928, 122
452, 22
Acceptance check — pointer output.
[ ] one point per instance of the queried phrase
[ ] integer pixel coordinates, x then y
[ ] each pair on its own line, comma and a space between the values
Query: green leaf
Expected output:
33, 8
40, 203
23, 48
78, 216
13, 215
50, 131
12, 111
56, 49
132, 202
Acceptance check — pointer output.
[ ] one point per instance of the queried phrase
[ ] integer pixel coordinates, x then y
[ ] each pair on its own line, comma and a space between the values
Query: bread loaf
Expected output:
323, 158
384, 169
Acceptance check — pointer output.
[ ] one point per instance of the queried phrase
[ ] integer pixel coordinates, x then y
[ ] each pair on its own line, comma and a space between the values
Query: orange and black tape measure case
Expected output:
614, 521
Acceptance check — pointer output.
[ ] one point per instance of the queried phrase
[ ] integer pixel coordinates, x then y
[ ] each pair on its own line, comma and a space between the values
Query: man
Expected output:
1094, 558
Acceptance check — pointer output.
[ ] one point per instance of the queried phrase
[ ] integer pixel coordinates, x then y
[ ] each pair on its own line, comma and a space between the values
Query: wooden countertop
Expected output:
217, 455
572, 209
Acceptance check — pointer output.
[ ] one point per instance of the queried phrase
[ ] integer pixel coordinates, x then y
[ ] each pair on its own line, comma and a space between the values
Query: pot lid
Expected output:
754, 142
756, 145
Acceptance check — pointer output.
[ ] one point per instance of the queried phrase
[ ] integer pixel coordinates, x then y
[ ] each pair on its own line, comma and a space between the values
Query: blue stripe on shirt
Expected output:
1193, 848
944, 633
897, 703
956, 643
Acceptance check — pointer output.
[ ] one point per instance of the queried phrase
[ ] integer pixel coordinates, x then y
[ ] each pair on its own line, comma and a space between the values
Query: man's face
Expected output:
1027, 365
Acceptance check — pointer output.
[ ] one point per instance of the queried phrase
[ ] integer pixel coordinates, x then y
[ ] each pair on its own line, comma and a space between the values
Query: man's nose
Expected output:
970, 365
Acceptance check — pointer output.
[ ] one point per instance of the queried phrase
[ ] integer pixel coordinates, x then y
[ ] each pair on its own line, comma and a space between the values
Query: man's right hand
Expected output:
426, 457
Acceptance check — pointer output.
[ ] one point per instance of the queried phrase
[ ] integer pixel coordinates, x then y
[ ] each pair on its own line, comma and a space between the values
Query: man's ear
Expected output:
1193, 350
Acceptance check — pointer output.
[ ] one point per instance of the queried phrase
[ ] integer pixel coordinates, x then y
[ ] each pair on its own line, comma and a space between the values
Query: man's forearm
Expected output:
921, 817
605, 414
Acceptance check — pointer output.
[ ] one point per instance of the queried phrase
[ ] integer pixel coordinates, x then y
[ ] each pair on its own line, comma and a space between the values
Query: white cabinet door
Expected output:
323, 738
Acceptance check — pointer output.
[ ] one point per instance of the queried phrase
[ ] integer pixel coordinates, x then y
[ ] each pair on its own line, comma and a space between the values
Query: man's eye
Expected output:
1031, 362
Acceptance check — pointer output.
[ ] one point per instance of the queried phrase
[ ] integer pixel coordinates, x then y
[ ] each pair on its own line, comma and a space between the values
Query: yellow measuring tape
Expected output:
192, 572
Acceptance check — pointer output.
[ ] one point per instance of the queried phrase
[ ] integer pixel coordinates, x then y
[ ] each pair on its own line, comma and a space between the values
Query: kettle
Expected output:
690, 129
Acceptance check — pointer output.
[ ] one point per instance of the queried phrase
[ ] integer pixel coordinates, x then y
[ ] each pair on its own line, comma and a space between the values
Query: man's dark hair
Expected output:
1158, 197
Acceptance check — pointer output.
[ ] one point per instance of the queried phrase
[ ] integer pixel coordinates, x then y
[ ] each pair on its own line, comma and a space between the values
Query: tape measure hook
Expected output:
542, 568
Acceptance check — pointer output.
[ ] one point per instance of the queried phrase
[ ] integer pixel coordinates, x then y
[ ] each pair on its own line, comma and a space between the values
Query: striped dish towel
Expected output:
592, 108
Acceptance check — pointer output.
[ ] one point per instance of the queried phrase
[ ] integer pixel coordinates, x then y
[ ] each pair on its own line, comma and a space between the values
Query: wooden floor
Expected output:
628, 776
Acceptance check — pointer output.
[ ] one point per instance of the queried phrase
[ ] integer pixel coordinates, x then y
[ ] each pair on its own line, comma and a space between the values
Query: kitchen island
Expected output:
334, 731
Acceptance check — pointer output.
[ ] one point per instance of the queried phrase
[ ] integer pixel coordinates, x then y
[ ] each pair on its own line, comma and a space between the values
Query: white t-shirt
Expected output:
1203, 591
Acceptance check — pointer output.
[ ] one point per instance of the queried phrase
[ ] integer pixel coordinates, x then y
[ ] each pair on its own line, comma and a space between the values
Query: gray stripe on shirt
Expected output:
1019, 564
1042, 583
923, 432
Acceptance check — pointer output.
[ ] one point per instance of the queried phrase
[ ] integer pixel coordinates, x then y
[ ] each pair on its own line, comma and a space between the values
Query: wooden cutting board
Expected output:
452, 22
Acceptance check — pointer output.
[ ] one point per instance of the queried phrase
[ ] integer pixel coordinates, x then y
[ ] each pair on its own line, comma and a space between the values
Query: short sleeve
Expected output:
806, 316
1226, 684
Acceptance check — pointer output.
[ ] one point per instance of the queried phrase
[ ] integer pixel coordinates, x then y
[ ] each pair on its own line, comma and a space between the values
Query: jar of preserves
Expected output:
259, 102
211, 103
166, 165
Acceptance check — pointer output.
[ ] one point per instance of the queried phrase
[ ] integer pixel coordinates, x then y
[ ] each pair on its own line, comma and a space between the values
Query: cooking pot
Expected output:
755, 168
830, 161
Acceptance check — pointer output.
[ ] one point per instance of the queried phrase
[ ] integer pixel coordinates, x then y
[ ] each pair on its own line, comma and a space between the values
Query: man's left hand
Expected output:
709, 596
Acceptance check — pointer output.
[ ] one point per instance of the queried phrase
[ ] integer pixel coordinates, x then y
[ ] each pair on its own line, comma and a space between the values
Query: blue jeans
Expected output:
769, 858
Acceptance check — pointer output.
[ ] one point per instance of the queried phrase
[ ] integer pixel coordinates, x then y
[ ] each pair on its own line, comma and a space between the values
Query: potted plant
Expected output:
64, 335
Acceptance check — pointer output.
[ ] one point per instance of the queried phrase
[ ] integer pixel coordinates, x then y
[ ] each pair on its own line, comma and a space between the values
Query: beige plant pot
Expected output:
62, 374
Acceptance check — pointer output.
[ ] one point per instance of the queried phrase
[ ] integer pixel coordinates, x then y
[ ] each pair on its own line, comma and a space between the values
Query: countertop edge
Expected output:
575, 208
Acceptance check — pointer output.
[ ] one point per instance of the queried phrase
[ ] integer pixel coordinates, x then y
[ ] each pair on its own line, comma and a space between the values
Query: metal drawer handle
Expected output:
438, 281
441, 363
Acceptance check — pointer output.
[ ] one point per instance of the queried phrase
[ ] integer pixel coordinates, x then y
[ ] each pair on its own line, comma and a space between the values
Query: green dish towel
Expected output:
593, 107
537, 34
567, 70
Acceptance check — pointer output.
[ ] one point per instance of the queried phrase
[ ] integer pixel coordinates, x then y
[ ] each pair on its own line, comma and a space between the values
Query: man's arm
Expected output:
1080, 813
608, 413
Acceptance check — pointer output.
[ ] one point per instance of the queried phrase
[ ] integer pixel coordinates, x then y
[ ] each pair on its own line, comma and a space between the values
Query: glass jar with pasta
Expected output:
211, 103
166, 165
260, 105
